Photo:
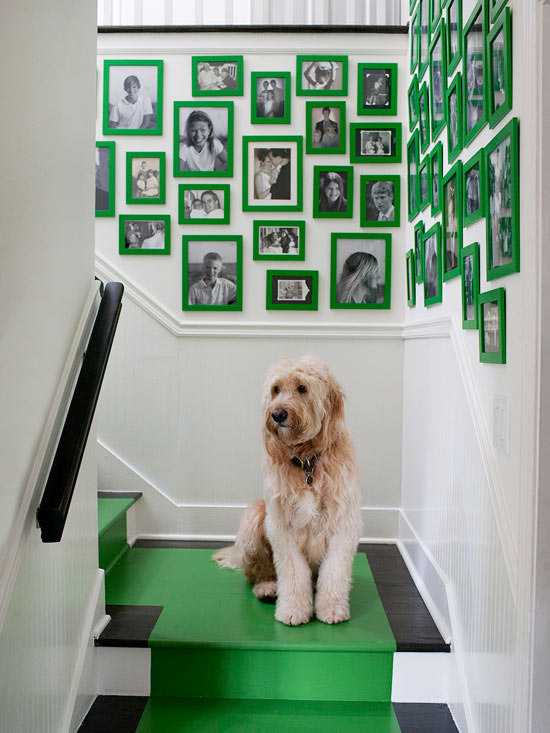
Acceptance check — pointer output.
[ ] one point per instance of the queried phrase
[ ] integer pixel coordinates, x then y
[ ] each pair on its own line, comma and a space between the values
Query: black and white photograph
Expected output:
423, 182
434, 177
209, 205
431, 268
270, 94
437, 86
454, 28
211, 272
279, 240
474, 49
272, 173
361, 271
450, 213
424, 117
203, 141
333, 192
500, 186
326, 127
424, 32
145, 175
143, 234
453, 123
372, 142
134, 97
491, 331
292, 289
321, 76
412, 176
217, 75
473, 193
376, 142
469, 288
377, 88
380, 200
104, 179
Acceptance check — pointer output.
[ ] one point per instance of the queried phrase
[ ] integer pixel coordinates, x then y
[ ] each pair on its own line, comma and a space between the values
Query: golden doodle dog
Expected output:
307, 528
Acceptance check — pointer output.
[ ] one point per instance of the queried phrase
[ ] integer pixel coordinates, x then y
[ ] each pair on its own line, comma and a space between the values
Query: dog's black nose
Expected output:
279, 415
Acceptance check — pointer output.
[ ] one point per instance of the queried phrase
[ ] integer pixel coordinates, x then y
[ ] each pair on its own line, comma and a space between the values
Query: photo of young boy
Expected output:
212, 273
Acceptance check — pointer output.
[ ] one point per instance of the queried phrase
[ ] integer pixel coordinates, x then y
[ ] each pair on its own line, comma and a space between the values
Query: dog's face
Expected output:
300, 398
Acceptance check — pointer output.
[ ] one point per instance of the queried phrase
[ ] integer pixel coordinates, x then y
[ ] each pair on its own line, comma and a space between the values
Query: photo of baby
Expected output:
376, 142
203, 205
145, 178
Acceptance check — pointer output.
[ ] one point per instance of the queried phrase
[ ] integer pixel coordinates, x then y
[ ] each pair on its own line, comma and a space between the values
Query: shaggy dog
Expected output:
307, 528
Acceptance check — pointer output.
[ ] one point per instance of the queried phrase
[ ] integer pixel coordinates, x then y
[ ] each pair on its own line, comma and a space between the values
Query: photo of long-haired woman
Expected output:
333, 192
361, 271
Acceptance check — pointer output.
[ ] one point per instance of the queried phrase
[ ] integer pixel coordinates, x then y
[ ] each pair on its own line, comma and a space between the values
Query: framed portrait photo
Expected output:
292, 290
431, 266
452, 221
492, 326
412, 95
414, 40
105, 178
325, 128
474, 103
435, 12
145, 178
132, 97
272, 173
454, 34
436, 177
320, 76
270, 98
469, 272
212, 267
438, 80
333, 192
453, 100
217, 76
376, 89
411, 279
423, 37
380, 197
144, 234
375, 143
279, 240
413, 161
360, 274
502, 202
203, 139
203, 204
424, 183
418, 235
474, 188
499, 72
424, 117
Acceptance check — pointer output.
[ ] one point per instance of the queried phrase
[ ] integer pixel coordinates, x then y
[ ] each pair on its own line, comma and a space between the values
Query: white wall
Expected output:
195, 395
467, 506
46, 275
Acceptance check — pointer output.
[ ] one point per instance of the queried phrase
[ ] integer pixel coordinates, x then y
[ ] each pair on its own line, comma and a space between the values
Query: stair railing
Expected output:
58, 492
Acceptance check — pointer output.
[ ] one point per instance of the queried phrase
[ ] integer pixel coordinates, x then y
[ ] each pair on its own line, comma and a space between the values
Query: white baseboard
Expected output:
422, 677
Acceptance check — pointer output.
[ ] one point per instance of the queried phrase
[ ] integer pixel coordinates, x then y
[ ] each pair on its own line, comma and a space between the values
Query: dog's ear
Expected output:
333, 421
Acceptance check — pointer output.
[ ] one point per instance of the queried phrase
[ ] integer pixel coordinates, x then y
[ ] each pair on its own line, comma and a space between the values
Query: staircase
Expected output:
218, 661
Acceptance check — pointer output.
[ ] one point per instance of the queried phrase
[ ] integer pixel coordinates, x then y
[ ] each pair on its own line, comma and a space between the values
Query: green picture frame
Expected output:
413, 163
436, 177
424, 117
411, 278
502, 202
330, 181
275, 111
414, 47
230, 84
332, 128
327, 74
435, 12
424, 183
215, 159
453, 103
229, 250
499, 71
474, 188
418, 234
453, 34
438, 80
290, 188
383, 137
495, 8
470, 287
412, 96
141, 234
423, 38
474, 73
266, 247
143, 185
492, 326
292, 290
115, 96
432, 266
360, 273
376, 89
380, 201
215, 204
452, 234
105, 189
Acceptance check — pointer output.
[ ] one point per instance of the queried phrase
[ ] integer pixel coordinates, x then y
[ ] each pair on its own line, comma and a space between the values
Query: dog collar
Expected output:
308, 466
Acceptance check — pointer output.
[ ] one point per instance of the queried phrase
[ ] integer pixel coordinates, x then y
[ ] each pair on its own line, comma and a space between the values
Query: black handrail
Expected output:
56, 499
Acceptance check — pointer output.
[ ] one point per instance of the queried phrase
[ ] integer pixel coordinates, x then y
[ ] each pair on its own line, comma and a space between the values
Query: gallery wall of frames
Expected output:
238, 168
461, 86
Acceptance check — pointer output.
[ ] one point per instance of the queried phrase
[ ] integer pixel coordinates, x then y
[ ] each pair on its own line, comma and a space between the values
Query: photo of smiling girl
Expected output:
333, 196
202, 139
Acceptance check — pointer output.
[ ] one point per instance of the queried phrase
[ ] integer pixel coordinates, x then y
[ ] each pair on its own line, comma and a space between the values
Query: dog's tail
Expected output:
228, 557
251, 550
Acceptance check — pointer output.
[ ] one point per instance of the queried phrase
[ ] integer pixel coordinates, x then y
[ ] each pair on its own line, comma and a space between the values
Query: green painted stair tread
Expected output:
209, 607
109, 510
174, 715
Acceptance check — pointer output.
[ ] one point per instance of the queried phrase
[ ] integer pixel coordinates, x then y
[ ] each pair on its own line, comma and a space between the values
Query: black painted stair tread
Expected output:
130, 626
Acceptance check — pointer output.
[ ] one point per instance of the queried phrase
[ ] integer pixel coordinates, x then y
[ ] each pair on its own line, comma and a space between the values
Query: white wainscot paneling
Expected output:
452, 520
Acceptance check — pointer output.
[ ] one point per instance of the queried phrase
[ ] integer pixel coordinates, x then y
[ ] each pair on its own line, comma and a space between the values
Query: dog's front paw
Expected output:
266, 591
293, 615
332, 612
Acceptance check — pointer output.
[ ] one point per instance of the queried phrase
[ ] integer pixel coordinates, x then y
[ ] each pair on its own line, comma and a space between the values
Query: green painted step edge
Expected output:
113, 544
266, 716
109, 510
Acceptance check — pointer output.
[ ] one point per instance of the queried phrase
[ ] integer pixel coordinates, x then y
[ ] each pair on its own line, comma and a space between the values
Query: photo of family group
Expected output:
212, 268
279, 240
146, 175
361, 271
132, 103
326, 131
203, 205
143, 234
217, 76
271, 97
203, 139
371, 142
